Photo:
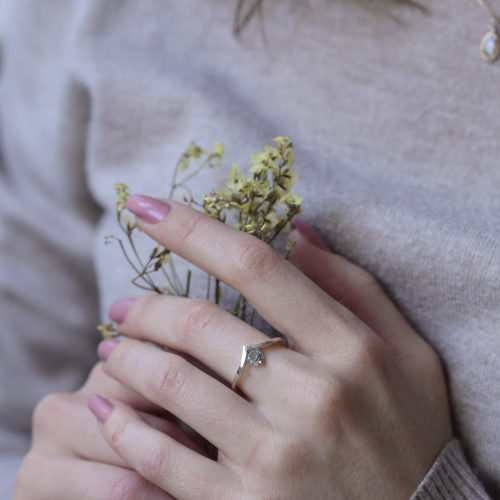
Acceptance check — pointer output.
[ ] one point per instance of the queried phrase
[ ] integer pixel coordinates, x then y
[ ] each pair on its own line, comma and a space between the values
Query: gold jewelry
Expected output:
490, 45
253, 356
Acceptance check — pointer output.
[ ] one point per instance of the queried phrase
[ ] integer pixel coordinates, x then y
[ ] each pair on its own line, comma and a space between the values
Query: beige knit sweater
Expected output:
396, 126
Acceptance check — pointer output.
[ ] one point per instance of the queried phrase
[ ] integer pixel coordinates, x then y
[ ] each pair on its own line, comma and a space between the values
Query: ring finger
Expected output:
210, 334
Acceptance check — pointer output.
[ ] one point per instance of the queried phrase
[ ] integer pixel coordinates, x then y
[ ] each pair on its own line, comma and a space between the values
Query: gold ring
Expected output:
253, 356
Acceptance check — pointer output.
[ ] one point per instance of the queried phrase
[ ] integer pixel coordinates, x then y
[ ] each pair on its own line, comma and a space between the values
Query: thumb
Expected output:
358, 291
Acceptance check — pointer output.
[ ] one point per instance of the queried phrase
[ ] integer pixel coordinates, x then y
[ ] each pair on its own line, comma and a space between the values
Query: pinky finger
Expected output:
64, 478
162, 460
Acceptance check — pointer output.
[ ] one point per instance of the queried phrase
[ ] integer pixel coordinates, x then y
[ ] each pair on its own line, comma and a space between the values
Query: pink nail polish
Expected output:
100, 407
310, 235
148, 209
119, 310
106, 348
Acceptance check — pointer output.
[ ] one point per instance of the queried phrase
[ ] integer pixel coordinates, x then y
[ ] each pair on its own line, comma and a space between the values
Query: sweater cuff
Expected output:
450, 478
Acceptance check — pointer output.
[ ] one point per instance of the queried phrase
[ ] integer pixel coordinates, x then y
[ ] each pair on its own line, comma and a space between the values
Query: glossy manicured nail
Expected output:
148, 209
310, 235
118, 311
106, 348
100, 407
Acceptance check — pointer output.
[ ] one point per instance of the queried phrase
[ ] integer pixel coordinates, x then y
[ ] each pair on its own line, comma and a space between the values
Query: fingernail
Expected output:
310, 235
119, 310
100, 407
106, 347
148, 209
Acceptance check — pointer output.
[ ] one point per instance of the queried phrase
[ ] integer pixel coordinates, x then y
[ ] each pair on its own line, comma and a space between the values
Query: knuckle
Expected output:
130, 486
289, 453
367, 357
431, 360
157, 463
119, 431
195, 320
47, 411
326, 400
362, 285
169, 377
144, 307
357, 276
256, 262
323, 401
189, 227
364, 280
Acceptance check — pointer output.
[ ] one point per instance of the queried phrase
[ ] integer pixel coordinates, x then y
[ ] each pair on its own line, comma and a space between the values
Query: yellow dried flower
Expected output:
236, 180
108, 331
122, 195
263, 204
271, 219
225, 194
219, 149
256, 199
283, 143
192, 153
291, 200
290, 158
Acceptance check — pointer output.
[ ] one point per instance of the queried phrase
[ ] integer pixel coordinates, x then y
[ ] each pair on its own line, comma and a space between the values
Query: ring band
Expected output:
253, 356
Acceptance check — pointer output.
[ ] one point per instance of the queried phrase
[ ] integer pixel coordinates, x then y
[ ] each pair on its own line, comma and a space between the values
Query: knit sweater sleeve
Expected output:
48, 295
450, 478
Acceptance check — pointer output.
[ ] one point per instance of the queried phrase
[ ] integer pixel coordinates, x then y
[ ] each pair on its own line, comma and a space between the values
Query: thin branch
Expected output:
171, 284
174, 179
175, 276
244, 309
203, 166
237, 306
208, 286
252, 316
241, 19
217, 291
188, 283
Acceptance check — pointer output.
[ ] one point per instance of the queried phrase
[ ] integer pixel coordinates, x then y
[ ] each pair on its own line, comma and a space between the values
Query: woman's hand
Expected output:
356, 408
70, 460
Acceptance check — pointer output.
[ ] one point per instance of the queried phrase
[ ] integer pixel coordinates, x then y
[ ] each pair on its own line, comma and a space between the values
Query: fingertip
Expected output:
148, 209
310, 235
100, 407
105, 348
118, 310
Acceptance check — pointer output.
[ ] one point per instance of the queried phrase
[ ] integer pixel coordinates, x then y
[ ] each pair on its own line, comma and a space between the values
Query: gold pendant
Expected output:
490, 45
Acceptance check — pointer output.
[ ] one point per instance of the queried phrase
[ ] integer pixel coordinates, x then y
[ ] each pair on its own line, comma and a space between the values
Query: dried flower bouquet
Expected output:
262, 205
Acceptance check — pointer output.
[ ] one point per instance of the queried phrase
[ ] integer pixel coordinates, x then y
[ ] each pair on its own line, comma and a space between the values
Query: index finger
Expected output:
282, 295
